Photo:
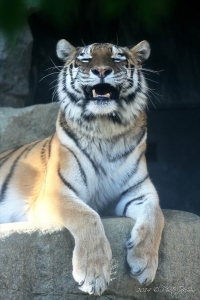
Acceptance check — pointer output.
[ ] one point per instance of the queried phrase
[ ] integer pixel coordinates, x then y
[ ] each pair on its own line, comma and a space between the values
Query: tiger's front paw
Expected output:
91, 265
142, 257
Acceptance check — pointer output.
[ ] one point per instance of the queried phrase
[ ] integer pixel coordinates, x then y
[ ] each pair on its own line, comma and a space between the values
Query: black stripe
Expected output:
123, 155
10, 174
73, 86
72, 79
134, 170
66, 106
6, 157
72, 96
31, 147
64, 80
131, 96
79, 165
2, 154
70, 71
43, 152
69, 94
100, 167
67, 183
131, 201
141, 134
50, 141
115, 118
132, 70
139, 81
88, 117
135, 186
66, 129
130, 84
127, 152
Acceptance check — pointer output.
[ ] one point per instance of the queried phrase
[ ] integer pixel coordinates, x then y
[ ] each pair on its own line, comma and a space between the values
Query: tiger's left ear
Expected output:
141, 51
64, 49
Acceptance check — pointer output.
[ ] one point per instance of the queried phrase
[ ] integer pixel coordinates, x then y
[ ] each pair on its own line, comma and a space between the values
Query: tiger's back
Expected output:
22, 173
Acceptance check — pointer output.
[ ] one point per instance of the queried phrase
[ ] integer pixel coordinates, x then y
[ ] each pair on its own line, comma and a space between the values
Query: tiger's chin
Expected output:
101, 106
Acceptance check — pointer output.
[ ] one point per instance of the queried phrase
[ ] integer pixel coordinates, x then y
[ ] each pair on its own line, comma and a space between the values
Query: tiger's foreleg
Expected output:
141, 203
92, 253
59, 202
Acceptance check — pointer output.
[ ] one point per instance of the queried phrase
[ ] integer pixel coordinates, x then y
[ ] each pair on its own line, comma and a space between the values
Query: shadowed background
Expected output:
172, 72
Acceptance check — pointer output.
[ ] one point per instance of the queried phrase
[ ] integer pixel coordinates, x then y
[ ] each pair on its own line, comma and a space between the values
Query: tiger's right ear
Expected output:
64, 49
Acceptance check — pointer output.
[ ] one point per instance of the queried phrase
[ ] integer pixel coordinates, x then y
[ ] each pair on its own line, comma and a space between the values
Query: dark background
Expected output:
172, 28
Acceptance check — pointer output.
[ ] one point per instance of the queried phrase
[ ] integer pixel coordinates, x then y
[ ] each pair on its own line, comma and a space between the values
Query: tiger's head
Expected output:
102, 81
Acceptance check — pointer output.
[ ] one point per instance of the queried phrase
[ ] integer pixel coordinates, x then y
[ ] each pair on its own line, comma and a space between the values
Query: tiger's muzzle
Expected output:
103, 92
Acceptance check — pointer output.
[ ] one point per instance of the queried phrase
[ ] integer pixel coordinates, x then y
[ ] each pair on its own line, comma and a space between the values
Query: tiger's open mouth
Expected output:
104, 91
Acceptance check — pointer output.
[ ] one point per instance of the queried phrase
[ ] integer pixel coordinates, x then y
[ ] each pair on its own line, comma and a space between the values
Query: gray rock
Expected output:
15, 62
35, 262
24, 125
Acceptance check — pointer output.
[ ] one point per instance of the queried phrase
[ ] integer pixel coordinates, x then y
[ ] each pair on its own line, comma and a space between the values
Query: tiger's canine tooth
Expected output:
94, 93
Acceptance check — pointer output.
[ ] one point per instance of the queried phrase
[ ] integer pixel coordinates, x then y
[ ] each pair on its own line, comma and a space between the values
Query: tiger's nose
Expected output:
102, 72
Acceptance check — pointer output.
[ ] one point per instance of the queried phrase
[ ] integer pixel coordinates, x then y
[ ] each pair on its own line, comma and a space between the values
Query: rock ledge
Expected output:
35, 262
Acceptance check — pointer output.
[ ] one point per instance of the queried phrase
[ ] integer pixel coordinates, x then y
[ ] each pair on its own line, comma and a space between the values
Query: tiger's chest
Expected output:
100, 168
106, 188
108, 171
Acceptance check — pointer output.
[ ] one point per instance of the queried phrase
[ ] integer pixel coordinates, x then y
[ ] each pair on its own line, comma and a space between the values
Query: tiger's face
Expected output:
102, 81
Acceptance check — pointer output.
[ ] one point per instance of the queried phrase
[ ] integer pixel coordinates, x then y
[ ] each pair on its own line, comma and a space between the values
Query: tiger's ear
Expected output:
64, 49
141, 51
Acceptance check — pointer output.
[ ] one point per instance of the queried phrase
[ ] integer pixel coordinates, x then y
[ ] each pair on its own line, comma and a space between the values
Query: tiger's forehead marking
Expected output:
113, 49
102, 47
102, 54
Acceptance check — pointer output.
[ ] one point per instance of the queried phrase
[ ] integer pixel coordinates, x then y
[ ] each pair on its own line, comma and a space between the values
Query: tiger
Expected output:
93, 165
